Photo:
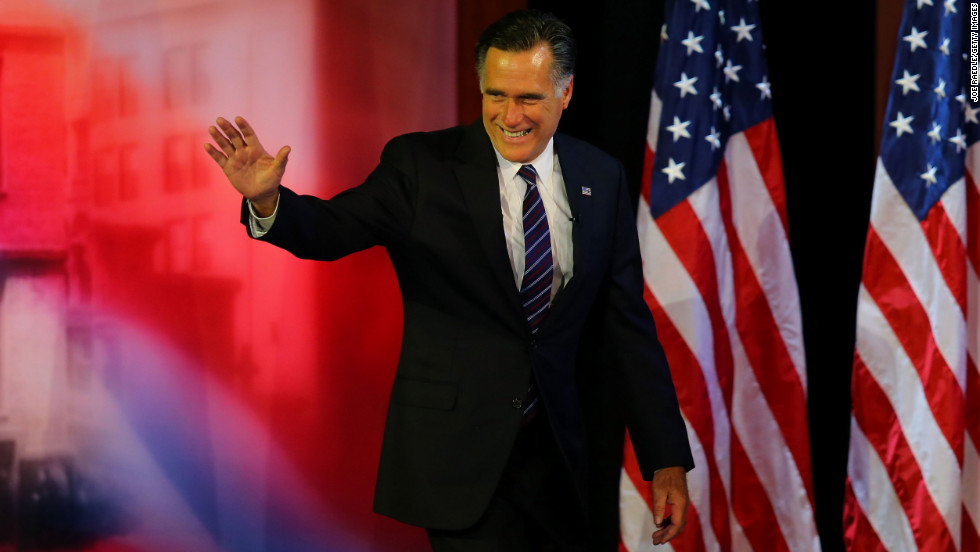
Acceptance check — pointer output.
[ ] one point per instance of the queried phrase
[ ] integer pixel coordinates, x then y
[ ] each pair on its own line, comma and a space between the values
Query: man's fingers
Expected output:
659, 503
667, 533
229, 129
669, 491
247, 133
282, 157
215, 154
678, 509
220, 139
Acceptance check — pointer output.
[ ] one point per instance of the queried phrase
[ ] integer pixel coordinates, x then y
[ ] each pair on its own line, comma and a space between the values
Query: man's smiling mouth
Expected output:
517, 134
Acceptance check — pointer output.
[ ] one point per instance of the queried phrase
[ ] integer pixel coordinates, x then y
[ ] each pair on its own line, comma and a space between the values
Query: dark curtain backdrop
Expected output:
823, 72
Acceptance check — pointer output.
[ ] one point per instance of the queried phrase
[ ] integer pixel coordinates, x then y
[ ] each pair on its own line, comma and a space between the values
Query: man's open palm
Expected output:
248, 166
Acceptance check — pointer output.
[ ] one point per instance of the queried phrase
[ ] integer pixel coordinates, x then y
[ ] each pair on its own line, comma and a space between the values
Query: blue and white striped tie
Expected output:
538, 264
538, 269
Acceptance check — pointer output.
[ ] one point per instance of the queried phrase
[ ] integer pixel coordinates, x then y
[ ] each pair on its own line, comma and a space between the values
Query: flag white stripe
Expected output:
887, 362
653, 124
971, 481
699, 487
706, 205
763, 237
760, 434
875, 495
770, 456
671, 284
973, 314
901, 233
955, 207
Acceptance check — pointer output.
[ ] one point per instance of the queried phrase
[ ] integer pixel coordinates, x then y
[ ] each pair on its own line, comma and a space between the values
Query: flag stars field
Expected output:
693, 43
686, 85
743, 30
764, 88
916, 39
959, 141
699, 4
673, 171
970, 114
731, 71
907, 82
901, 124
679, 129
714, 139
929, 176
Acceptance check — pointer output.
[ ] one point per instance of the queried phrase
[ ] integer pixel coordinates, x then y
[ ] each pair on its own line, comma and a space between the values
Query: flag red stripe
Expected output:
647, 173
765, 148
682, 229
692, 538
949, 251
876, 418
764, 346
972, 222
971, 540
692, 394
972, 402
908, 319
758, 520
858, 532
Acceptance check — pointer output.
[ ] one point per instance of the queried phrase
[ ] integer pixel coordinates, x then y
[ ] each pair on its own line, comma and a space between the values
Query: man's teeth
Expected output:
517, 134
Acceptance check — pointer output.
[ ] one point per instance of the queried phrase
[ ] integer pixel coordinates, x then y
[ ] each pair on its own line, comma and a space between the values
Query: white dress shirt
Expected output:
551, 187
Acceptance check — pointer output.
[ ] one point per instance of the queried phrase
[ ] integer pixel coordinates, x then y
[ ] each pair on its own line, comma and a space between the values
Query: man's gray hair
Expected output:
522, 30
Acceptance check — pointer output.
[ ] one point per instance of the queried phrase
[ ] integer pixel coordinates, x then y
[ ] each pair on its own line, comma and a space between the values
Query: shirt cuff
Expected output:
260, 226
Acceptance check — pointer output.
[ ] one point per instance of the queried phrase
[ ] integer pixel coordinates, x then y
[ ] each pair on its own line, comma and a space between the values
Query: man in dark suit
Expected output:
507, 239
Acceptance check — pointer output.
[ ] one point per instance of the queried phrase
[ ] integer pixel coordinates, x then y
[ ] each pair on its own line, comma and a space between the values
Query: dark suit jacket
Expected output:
467, 352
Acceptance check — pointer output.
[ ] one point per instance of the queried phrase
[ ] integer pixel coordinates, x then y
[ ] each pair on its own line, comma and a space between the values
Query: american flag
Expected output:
720, 283
913, 481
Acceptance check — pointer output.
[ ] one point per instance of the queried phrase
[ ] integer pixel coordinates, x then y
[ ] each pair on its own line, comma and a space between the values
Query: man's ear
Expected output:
566, 95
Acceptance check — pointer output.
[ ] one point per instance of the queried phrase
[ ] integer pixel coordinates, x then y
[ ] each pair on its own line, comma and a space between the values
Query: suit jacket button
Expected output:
517, 403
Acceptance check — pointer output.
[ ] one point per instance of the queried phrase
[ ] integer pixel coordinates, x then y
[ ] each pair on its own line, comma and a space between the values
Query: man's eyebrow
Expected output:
525, 96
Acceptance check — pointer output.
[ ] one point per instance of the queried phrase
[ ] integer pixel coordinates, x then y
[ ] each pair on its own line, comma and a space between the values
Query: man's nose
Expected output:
513, 114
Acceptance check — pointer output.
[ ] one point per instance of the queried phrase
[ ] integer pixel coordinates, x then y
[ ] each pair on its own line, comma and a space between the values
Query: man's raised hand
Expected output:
250, 169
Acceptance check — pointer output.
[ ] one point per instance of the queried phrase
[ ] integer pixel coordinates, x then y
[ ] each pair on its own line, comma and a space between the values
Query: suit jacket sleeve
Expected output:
377, 212
653, 417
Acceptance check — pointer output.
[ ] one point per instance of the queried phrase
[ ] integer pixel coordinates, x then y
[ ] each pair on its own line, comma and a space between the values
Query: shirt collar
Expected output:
542, 164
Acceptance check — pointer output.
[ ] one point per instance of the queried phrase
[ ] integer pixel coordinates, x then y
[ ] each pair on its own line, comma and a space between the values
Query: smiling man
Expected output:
507, 240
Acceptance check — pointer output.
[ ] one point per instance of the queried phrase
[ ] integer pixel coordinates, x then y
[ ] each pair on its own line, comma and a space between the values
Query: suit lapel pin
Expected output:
586, 191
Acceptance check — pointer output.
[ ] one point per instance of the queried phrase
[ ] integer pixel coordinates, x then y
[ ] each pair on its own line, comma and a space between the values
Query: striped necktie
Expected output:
538, 263
538, 270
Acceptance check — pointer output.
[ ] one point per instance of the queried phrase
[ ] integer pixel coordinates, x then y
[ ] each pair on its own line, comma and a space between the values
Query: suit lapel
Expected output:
580, 205
476, 173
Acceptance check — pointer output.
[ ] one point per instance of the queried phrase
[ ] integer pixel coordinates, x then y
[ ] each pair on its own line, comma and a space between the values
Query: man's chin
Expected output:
521, 153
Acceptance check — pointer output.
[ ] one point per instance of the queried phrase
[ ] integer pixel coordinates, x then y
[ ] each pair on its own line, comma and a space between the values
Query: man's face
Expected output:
520, 109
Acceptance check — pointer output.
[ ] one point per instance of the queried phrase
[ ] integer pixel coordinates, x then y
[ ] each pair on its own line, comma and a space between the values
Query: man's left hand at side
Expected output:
669, 488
